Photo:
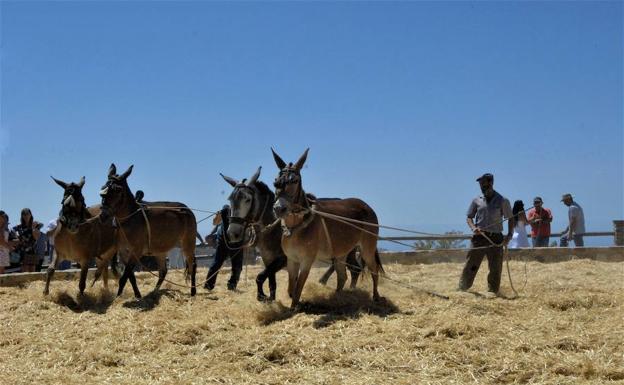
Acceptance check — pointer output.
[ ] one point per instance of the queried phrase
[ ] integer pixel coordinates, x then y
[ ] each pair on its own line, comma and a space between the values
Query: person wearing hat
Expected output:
485, 219
576, 227
223, 251
539, 218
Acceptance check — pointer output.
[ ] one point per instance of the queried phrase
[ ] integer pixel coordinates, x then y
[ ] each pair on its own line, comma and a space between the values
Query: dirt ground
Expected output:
567, 326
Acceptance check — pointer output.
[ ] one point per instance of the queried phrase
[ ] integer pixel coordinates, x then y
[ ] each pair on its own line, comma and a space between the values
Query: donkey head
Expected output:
244, 206
288, 190
116, 193
73, 207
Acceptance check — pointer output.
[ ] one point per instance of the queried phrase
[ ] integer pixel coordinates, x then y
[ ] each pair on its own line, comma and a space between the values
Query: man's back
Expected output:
575, 214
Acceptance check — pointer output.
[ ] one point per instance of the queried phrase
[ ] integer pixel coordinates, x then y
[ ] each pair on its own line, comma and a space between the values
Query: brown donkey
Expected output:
82, 236
308, 236
151, 228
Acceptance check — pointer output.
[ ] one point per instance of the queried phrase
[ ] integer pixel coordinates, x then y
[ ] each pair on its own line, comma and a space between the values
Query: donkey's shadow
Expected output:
344, 305
96, 303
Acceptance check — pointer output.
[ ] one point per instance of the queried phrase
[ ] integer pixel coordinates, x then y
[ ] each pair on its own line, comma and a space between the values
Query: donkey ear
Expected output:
59, 182
82, 182
278, 161
255, 177
112, 170
127, 173
302, 160
231, 181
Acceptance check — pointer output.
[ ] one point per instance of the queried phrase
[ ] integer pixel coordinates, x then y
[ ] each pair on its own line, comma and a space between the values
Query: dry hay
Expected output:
566, 328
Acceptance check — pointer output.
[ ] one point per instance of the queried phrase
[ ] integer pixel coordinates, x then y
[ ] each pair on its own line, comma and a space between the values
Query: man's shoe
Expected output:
490, 294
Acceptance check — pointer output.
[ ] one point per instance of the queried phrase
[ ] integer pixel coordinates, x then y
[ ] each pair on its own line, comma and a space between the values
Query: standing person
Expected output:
223, 252
485, 219
576, 226
539, 218
28, 233
5, 245
519, 238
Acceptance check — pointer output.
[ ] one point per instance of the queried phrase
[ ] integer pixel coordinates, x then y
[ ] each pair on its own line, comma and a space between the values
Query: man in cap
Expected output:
485, 219
539, 218
576, 226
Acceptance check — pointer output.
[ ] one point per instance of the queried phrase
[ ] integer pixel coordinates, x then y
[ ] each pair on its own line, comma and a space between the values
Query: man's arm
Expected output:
472, 226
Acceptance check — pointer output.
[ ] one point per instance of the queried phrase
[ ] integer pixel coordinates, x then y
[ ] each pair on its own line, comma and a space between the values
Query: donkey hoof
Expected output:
193, 292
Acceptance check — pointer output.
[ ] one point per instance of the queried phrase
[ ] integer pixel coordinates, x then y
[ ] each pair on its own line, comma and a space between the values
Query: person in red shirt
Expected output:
539, 218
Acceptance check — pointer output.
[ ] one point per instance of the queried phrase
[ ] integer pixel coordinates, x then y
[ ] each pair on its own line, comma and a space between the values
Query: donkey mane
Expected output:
264, 189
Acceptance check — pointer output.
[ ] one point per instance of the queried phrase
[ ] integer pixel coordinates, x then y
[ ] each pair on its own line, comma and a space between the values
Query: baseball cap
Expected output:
486, 176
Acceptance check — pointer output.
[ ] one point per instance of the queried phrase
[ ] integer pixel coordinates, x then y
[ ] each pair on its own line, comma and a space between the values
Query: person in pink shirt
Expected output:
539, 218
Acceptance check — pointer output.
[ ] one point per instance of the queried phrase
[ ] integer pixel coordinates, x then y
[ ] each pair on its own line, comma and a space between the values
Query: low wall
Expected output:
538, 254
543, 254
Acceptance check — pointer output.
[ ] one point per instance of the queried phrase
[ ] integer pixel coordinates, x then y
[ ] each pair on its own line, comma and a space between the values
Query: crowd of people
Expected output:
24, 247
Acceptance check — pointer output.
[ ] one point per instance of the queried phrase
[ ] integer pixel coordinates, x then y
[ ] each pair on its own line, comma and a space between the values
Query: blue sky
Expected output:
402, 104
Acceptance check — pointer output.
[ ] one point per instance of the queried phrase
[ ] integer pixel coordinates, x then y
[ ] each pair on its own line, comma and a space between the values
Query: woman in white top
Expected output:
519, 238
5, 245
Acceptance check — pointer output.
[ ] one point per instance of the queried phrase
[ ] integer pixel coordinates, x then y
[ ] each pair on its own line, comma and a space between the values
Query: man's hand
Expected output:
476, 230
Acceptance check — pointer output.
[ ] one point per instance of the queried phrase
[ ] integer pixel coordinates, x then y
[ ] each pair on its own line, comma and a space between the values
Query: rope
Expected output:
493, 244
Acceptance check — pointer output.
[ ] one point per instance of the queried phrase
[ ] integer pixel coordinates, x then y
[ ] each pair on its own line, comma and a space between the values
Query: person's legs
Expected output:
237, 268
474, 258
495, 264
542, 241
219, 257
578, 241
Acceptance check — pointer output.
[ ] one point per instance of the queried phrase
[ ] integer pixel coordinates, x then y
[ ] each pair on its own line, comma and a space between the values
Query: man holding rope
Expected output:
485, 219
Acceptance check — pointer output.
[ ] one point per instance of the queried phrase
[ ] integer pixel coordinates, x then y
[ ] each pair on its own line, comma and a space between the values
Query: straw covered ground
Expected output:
567, 327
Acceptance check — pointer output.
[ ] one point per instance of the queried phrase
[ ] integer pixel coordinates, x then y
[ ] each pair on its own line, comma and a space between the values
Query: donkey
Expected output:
251, 204
82, 235
308, 236
151, 228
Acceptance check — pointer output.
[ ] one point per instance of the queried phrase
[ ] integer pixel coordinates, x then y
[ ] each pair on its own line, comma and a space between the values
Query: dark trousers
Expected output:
540, 241
474, 258
220, 256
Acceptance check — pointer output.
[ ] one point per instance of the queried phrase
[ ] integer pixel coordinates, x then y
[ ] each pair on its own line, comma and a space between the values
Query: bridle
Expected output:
256, 220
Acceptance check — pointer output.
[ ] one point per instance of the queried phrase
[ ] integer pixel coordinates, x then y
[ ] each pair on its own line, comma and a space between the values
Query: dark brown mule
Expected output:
82, 236
251, 204
308, 236
152, 229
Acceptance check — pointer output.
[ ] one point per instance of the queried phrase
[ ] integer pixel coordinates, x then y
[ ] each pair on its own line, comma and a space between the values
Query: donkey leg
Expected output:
50, 272
341, 274
133, 282
354, 268
371, 259
293, 273
301, 280
277, 265
162, 272
82, 284
262, 276
328, 273
122, 281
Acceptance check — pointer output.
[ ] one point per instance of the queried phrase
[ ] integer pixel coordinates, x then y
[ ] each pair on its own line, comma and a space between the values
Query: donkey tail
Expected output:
114, 262
380, 268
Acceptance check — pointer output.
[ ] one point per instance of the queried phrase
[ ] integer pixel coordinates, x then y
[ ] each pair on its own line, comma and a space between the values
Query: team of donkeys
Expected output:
290, 228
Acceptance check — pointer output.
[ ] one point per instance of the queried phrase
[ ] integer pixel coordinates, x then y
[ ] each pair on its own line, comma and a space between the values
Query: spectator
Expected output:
28, 233
576, 226
539, 217
519, 238
5, 244
485, 218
